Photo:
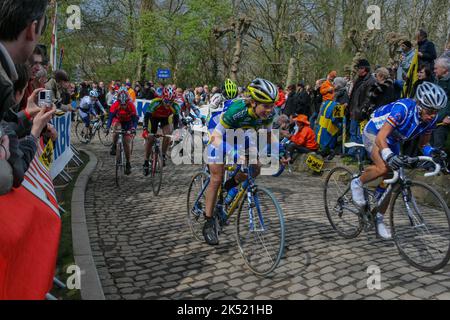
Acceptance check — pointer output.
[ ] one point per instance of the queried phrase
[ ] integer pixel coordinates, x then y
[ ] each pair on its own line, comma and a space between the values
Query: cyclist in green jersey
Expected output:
256, 113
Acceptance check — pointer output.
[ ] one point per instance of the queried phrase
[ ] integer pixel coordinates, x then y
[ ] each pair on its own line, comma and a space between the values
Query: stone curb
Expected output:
91, 287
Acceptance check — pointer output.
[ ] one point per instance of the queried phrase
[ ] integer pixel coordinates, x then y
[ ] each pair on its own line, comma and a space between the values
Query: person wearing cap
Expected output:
359, 99
304, 141
327, 88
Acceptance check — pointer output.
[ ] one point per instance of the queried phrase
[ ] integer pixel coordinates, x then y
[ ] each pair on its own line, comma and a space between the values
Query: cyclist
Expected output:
123, 115
158, 113
90, 105
400, 121
256, 113
220, 102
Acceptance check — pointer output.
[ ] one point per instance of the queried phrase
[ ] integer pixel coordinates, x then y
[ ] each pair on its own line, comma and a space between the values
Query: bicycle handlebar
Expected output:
437, 170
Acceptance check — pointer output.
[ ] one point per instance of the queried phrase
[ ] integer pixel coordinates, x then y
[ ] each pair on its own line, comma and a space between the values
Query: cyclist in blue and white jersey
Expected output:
90, 105
406, 119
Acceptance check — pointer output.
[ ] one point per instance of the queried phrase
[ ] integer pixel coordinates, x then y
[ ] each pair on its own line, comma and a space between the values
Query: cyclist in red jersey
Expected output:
123, 115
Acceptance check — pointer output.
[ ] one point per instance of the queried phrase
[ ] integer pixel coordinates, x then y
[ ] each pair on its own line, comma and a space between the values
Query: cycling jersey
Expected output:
239, 115
87, 106
125, 116
404, 117
236, 114
159, 110
215, 113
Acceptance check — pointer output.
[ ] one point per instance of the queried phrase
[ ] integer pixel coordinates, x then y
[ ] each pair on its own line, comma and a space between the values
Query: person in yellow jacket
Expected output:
131, 92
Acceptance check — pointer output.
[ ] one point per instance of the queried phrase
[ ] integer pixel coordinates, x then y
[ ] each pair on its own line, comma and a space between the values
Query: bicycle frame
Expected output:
252, 200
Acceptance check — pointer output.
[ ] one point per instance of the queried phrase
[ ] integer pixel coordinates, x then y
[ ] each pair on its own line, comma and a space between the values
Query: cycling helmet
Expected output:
263, 91
229, 89
431, 96
189, 97
169, 94
216, 99
93, 94
123, 97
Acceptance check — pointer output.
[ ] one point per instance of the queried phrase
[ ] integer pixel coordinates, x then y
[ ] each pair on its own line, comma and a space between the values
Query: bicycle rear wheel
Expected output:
196, 204
343, 215
420, 223
157, 172
105, 139
260, 232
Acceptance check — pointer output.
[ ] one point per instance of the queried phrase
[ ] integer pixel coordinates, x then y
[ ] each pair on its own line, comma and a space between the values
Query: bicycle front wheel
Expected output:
343, 215
157, 172
260, 232
120, 162
196, 204
81, 136
420, 223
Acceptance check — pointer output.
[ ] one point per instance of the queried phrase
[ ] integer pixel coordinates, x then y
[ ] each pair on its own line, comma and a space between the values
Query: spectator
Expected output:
316, 102
327, 88
424, 74
36, 63
21, 84
138, 91
280, 104
6, 173
405, 60
110, 97
291, 101
341, 95
427, 50
303, 101
84, 89
446, 53
359, 99
59, 86
149, 92
41, 79
304, 141
381, 93
442, 72
102, 93
131, 92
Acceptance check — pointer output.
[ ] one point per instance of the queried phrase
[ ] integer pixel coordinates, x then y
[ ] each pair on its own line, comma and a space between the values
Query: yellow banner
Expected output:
47, 156
315, 164
339, 111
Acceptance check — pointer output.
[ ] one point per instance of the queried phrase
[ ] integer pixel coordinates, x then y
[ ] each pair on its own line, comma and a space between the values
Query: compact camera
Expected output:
45, 99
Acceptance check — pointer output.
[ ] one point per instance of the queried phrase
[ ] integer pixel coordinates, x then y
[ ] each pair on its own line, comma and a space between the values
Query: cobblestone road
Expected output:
144, 250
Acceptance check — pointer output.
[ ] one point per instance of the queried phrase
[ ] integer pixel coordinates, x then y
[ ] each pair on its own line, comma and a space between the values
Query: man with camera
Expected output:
22, 24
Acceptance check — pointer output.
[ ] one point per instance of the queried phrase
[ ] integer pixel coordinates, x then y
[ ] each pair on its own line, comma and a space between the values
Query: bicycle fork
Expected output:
253, 205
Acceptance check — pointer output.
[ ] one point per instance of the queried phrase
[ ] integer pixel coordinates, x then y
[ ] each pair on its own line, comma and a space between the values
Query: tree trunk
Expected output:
291, 72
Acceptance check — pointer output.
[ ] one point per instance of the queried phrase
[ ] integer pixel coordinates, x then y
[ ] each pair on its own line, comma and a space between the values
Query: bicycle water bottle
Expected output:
231, 195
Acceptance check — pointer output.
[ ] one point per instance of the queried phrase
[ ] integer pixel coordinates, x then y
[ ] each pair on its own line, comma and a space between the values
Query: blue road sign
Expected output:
163, 74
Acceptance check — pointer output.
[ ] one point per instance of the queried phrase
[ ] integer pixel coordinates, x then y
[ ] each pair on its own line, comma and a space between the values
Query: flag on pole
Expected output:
61, 57
54, 47
413, 76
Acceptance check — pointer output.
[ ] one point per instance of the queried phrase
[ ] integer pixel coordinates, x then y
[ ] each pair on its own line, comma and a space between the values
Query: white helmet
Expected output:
431, 96
217, 99
93, 94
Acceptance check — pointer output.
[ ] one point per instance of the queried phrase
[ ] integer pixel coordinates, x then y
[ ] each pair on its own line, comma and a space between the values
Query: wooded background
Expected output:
205, 41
